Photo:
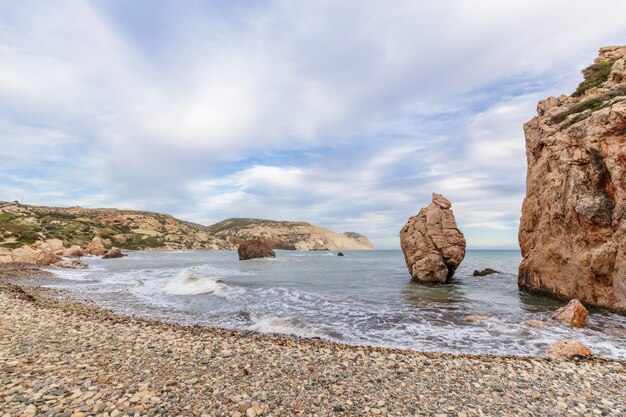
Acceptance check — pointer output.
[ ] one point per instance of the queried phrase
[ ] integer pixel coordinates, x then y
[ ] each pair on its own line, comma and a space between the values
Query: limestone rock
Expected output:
55, 244
113, 253
574, 314
573, 227
95, 247
432, 244
251, 249
35, 256
567, 349
73, 252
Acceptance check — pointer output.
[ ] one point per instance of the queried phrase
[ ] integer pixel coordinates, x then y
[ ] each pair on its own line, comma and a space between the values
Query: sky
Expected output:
347, 114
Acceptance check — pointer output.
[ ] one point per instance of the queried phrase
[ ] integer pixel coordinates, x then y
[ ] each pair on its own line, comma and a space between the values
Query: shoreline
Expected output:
65, 358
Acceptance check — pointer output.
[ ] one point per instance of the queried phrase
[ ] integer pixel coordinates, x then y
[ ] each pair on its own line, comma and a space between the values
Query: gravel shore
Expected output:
59, 358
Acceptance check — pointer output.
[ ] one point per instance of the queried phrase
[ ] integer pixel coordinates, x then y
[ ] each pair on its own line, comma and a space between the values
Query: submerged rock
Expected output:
537, 324
573, 226
251, 249
484, 272
476, 319
432, 244
574, 314
567, 349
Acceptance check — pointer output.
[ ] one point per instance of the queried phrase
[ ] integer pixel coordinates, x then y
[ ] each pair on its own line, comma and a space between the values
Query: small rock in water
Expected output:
484, 272
537, 324
475, 319
574, 314
340, 254
567, 349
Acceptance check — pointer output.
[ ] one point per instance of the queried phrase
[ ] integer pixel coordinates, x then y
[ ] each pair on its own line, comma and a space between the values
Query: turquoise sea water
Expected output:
365, 297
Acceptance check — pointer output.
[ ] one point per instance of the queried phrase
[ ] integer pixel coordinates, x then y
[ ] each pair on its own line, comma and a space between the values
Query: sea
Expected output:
362, 298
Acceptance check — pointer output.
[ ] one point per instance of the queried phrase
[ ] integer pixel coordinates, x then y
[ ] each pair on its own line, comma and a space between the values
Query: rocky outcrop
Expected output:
252, 249
574, 314
287, 235
432, 244
41, 255
113, 253
567, 349
573, 227
96, 247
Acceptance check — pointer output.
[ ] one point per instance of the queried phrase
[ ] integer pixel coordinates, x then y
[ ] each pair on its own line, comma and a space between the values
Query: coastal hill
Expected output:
22, 224
573, 226
288, 235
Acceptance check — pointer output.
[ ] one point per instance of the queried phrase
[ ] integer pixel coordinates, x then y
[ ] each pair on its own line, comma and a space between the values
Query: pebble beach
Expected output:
62, 358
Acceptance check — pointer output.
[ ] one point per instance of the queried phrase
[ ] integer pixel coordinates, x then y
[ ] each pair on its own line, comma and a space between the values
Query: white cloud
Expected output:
384, 103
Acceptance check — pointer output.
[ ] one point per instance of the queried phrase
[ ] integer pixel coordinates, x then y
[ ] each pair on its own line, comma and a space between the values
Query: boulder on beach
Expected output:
55, 245
567, 349
574, 314
251, 249
572, 232
432, 244
41, 255
484, 272
113, 253
95, 247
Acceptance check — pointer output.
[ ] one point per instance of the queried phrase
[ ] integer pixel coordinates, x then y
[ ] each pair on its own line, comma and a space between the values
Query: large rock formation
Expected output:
573, 226
432, 244
252, 249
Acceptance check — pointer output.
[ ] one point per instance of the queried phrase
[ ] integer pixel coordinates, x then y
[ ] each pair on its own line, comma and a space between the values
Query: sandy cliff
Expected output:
573, 226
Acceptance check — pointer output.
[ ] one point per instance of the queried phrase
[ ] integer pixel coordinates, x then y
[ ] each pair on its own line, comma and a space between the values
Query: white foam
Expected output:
190, 281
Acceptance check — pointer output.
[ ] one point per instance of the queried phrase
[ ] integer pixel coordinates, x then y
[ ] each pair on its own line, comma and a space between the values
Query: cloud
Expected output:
345, 113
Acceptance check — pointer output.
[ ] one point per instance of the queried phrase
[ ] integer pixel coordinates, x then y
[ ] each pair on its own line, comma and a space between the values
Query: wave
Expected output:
190, 281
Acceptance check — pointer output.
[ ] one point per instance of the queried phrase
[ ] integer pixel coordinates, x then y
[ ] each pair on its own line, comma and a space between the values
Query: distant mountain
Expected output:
22, 224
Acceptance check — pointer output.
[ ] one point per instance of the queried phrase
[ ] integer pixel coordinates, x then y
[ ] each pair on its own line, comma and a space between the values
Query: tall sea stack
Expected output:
432, 244
573, 227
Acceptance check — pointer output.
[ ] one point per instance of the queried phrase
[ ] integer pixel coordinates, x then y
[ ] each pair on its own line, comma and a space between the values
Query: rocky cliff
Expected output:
573, 226
22, 224
288, 235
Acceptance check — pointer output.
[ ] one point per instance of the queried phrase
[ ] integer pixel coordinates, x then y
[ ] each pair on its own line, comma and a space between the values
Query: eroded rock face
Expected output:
432, 244
251, 249
573, 226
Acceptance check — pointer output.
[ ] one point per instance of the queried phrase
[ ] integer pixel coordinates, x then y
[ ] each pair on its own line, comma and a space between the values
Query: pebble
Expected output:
63, 359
